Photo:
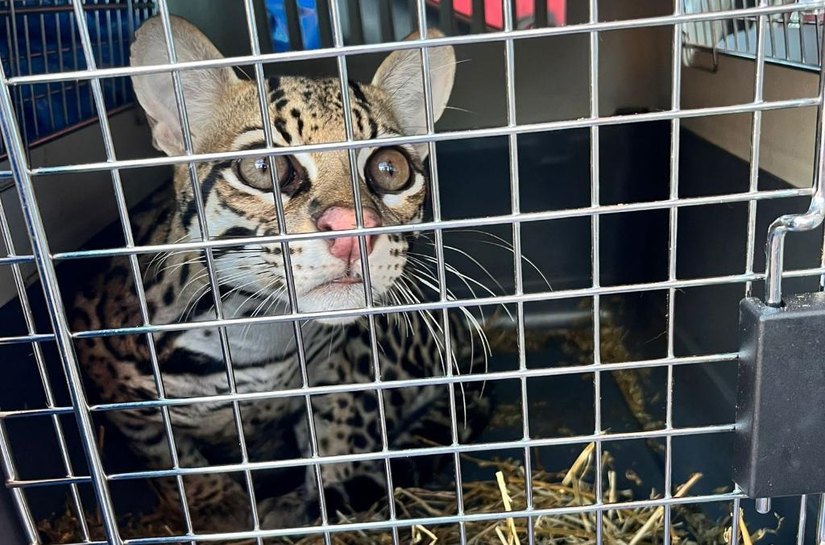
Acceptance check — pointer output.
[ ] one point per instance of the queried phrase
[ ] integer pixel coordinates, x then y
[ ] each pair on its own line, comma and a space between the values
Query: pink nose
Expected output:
339, 218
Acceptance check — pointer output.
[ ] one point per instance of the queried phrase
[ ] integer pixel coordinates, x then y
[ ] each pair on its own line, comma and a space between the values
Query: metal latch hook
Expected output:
807, 221
797, 222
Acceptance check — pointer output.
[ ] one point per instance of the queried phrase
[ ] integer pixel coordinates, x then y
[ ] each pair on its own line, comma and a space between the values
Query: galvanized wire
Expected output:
46, 261
798, 17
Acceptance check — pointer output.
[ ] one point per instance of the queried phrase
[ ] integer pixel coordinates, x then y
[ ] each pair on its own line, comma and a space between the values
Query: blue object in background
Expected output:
308, 18
54, 46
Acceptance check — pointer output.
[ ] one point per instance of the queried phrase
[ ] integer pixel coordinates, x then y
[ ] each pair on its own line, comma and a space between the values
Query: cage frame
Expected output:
63, 336
131, 11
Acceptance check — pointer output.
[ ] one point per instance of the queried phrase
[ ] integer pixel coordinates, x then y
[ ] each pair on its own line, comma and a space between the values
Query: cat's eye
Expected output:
388, 170
254, 172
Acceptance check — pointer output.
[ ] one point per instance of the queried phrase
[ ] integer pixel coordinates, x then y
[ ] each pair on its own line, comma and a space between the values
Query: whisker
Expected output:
509, 247
178, 265
466, 279
472, 321
473, 259
202, 290
263, 303
427, 278
429, 321
405, 316
162, 256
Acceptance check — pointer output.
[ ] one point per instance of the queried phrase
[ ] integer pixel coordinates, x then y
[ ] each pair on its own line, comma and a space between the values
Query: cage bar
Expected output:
673, 227
518, 276
441, 274
40, 248
526, 128
756, 132
117, 185
46, 38
343, 76
802, 17
530, 373
25, 304
595, 229
755, 30
279, 212
210, 265
498, 36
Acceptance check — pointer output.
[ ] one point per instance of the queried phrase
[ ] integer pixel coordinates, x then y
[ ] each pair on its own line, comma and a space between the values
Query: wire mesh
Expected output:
791, 38
41, 37
713, 24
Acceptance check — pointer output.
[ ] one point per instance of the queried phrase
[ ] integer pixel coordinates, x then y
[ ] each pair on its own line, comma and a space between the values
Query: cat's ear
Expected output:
202, 89
401, 76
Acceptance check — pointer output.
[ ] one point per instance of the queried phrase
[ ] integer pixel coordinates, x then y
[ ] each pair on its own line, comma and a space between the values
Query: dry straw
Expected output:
504, 492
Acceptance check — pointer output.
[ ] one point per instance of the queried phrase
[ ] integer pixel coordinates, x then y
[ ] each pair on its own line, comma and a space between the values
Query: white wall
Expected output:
787, 139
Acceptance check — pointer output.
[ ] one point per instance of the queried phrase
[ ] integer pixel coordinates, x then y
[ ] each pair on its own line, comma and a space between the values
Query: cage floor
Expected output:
554, 174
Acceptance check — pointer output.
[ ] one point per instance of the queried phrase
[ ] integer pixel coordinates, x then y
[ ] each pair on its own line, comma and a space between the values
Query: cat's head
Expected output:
223, 111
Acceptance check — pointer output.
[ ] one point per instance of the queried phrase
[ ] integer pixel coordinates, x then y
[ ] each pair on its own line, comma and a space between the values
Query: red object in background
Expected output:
493, 12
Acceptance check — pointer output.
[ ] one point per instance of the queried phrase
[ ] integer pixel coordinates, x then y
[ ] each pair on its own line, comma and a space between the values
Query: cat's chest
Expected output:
262, 353
249, 344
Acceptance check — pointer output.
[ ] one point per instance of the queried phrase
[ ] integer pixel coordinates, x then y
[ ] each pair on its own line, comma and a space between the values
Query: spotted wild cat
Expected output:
224, 115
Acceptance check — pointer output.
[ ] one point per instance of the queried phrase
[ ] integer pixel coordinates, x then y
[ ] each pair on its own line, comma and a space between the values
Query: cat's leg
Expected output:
216, 502
410, 416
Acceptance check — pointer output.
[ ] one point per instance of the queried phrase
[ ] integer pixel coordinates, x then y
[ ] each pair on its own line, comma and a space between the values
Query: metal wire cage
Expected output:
599, 233
793, 38
41, 38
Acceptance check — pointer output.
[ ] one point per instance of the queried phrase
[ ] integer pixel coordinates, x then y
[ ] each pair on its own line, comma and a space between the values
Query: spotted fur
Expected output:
224, 115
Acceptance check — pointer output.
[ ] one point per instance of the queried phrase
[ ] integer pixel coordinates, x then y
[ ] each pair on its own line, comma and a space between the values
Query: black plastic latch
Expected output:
779, 446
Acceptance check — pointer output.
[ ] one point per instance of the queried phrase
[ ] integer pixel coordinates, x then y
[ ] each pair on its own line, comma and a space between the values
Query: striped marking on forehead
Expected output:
310, 105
